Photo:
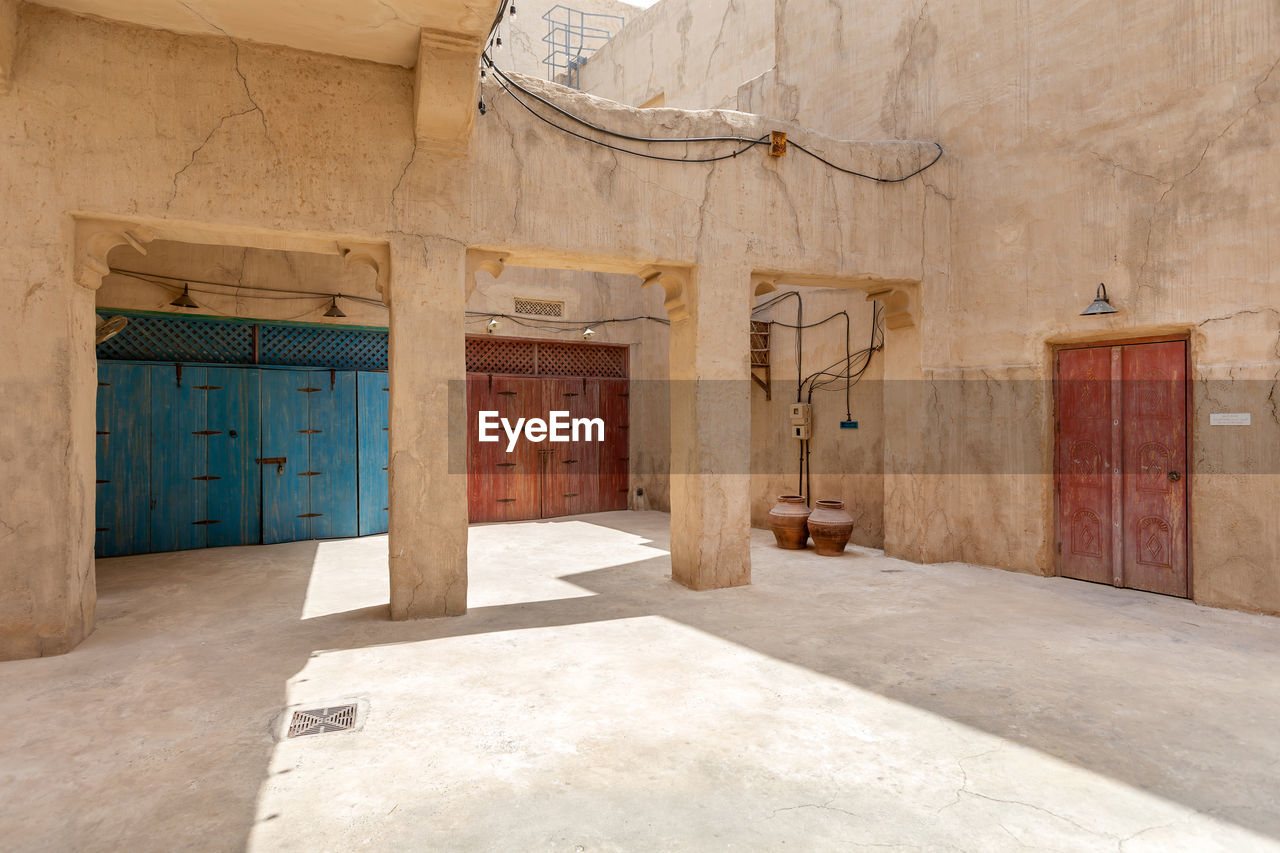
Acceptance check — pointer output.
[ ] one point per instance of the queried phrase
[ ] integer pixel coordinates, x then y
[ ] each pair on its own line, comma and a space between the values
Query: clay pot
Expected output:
830, 526
787, 521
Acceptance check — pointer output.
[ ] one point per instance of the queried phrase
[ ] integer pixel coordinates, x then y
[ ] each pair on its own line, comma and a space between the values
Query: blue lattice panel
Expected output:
180, 339
342, 349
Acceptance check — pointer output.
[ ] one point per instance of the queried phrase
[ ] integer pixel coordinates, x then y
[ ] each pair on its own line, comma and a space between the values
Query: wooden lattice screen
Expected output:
545, 358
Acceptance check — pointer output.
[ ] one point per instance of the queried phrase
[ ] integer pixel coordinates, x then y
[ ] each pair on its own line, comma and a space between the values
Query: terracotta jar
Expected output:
787, 521
830, 526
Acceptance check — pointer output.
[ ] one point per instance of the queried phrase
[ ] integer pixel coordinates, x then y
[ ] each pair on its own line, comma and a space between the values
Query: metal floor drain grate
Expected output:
321, 720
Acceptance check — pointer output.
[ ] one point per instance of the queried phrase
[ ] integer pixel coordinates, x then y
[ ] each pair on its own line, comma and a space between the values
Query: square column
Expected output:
710, 311
47, 456
427, 530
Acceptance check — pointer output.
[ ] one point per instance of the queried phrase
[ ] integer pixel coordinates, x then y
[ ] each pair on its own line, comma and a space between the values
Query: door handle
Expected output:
1174, 476
277, 461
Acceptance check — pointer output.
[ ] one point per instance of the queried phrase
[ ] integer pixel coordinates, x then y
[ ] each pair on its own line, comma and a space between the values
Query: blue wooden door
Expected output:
334, 486
123, 491
179, 458
285, 432
233, 484
373, 392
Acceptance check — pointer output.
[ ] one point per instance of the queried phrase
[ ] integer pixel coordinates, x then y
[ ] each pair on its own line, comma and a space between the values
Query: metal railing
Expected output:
573, 36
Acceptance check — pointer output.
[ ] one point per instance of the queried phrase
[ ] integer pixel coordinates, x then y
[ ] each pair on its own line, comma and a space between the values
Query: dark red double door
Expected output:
1121, 467
547, 479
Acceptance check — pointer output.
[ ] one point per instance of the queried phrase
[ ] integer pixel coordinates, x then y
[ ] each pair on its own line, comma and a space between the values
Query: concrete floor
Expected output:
588, 703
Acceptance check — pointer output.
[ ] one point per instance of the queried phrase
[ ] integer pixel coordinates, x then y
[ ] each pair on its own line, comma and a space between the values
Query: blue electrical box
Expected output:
848, 425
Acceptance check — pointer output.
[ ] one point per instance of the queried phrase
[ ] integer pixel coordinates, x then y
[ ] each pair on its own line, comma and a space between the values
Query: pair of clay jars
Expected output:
792, 523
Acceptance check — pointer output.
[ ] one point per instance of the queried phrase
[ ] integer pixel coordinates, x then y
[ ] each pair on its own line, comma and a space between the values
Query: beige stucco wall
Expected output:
695, 54
257, 142
844, 464
1128, 143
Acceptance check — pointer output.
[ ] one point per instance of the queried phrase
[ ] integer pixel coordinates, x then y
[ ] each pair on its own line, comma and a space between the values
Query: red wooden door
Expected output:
1121, 465
1084, 465
1154, 467
570, 468
613, 483
503, 486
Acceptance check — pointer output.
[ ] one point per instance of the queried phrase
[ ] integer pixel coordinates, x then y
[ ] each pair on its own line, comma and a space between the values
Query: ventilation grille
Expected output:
579, 360
496, 355
180, 339
545, 358
348, 349
539, 307
201, 341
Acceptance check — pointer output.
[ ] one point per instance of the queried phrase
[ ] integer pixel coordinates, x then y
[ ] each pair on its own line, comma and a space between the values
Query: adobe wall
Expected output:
262, 141
1130, 143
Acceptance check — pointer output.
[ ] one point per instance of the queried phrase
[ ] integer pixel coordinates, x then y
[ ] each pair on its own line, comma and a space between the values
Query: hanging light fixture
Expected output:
1100, 304
184, 299
334, 310
492, 325
588, 333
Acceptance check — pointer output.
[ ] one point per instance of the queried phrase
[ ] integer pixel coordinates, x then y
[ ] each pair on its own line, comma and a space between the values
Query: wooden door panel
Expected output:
1085, 525
1154, 467
285, 421
613, 482
374, 395
234, 491
179, 459
570, 484
123, 491
503, 486
332, 483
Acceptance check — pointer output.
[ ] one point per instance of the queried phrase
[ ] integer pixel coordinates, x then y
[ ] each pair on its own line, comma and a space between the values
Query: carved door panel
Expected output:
570, 484
1084, 463
503, 486
1121, 465
1155, 466
614, 482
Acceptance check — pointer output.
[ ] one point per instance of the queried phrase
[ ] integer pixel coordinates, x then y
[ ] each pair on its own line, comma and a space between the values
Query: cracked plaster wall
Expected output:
126, 121
695, 54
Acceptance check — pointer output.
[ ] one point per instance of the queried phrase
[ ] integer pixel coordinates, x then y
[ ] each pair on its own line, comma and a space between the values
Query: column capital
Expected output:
674, 282
95, 237
375, 256
901, 304
480, 260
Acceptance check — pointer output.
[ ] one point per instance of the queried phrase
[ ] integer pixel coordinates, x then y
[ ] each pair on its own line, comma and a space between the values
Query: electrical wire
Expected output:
875, 178
149, 278
743, 149
507, 84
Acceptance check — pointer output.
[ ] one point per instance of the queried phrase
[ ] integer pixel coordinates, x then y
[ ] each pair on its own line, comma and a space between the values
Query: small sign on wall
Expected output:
1230, 419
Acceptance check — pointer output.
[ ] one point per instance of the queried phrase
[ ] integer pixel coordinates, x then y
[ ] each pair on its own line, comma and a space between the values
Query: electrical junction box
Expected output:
848, 425
801, 413
801, 431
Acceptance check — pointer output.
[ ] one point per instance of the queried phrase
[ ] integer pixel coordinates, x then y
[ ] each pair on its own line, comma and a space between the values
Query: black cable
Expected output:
292, 294
504, 80
622, 150
499, 72
827, 162
769, 303
512, 317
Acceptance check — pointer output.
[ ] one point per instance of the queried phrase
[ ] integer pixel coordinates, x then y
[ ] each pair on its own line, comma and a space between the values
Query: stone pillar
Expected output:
47, 453
428, 496
710, 312
907, 450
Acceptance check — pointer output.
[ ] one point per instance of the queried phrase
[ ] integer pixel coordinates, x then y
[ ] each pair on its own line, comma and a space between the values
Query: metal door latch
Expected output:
1174, 476
277, 461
